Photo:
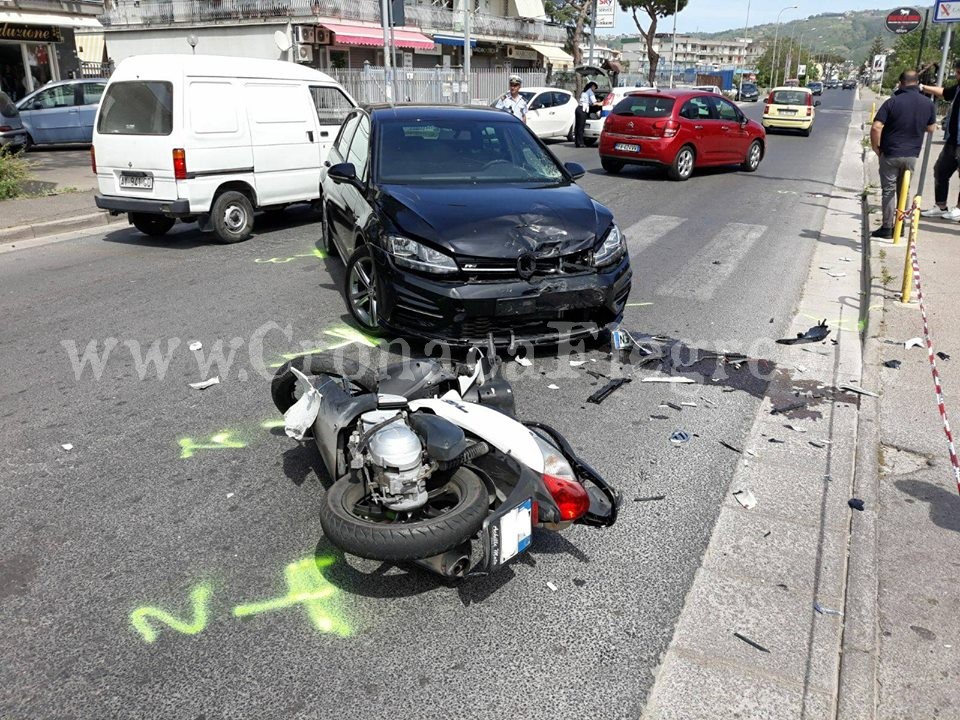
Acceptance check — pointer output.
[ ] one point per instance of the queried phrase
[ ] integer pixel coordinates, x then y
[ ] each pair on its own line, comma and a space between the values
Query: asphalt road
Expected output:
167, 565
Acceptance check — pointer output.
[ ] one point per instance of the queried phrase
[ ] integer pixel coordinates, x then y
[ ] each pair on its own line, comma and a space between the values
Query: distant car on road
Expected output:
61, 112
749, 92
815, 87
680, 130
551, 112
790, 108
832, 84
12, 134
715, 89
849, 84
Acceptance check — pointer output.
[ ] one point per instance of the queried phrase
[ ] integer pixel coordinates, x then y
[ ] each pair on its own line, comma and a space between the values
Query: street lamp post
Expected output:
743, 67
673, 46
800, 51
776, 37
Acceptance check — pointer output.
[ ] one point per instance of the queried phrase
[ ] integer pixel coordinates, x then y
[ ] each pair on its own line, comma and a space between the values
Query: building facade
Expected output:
340, 34
37, 43
693, 52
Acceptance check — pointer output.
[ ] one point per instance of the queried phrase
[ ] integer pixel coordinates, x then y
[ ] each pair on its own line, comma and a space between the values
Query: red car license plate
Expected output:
626, 147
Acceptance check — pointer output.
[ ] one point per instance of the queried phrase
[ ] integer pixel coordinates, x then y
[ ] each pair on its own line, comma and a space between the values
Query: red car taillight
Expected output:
671, 128
570, 496
93, 159
809, 111
766, 109
179, 164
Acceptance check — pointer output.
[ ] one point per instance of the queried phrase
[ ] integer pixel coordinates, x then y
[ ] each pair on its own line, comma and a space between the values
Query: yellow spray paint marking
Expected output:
271, 424
199, 597
349, 336
315, 253
220, 441
306, 587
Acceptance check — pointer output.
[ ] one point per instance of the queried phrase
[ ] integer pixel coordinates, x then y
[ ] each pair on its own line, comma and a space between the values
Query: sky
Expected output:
717, 15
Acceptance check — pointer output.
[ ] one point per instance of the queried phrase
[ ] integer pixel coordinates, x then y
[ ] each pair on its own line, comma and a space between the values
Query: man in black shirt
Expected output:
948, 161
897, 137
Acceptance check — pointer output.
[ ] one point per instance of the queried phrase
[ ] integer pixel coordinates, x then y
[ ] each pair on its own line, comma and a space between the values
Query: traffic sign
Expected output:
947, 11
903, 20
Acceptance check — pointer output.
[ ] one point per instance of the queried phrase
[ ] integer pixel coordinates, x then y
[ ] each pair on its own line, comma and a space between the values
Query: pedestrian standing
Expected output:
513, 102
897, 138
948, 161
587, 102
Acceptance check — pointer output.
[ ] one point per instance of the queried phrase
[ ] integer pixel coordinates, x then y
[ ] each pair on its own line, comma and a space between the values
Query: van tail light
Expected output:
766, 109
570, 496
179, 164
93, 159
5, 128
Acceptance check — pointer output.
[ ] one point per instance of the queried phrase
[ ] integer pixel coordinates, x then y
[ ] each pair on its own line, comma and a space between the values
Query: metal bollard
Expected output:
908, 262
901, 206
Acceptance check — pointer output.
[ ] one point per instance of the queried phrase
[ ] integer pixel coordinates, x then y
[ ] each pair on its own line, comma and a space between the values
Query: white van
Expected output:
212, 139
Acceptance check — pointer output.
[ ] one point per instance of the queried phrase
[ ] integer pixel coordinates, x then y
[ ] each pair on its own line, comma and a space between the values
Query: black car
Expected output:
456, 223
748, 93
849, 84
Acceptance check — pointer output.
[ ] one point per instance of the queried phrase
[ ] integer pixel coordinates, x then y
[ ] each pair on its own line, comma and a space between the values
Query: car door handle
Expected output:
698, 127
725, 128
310, 135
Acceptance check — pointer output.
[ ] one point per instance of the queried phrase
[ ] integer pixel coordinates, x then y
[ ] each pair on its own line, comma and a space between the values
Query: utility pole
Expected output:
776, 36
387, 51
929, 142
466, 47
673, 46
743, 67
593, 32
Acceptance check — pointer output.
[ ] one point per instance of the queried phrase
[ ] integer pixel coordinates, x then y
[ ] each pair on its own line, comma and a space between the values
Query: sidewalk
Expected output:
906, 545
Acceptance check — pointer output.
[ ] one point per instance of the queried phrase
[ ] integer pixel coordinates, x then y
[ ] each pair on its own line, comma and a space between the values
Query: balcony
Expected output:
74, 7
167, 13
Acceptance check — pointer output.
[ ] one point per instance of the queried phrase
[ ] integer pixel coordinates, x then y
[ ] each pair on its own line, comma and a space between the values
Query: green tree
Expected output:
654, 9
574, 14
907, 49
878, 47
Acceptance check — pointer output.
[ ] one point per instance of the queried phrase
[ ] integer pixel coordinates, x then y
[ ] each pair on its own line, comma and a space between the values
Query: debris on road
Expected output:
814, 334
194, 346
659, 417
913, 342
837, 274
525, 362
651, 498
674, 406
679, 379
229, 495
728, 446
67, 446
894, 364
688, 404
789, 407
203, 385
856, 504
751, 643
817, 444
943, 356
577, 363
551, 386
795, 428
551, 586
603, 393
680, 437
746, 498
777, 441
801, 368
301, 415
858, 391
825, 611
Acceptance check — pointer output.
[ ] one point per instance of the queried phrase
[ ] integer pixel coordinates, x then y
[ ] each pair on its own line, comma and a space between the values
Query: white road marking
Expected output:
651, 229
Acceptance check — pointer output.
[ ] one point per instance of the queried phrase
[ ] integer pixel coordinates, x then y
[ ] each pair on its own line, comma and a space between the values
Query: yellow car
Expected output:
790, 108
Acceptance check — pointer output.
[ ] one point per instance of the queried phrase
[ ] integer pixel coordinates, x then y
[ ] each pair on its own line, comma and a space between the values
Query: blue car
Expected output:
61, 112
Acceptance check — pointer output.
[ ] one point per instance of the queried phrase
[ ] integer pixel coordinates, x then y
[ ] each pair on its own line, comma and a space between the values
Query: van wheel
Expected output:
152, 225
232, 216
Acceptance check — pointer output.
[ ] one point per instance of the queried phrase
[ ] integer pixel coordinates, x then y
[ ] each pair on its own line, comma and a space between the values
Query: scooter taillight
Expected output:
570, 496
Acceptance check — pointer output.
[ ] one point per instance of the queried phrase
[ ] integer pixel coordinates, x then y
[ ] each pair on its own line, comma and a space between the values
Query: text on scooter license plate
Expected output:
515, 530
143, 182
624, 147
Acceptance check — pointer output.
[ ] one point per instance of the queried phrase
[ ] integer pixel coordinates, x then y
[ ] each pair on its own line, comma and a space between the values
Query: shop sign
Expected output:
30, 33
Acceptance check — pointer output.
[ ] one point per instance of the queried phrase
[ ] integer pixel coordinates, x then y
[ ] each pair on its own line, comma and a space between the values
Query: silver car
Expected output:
62, 112
12, 134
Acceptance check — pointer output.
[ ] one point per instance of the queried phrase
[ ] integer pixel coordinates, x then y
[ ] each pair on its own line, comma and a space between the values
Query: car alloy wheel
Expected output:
361, 289
752, 161
683, 164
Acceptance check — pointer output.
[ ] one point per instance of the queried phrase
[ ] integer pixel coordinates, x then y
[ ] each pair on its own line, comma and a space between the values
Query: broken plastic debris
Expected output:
229, 495
856, 504
196, 346
603, 393
825, 611
777, 441
67, 446
817, 444
745, 498
751, 643
669, 379
943, 356
551, 386
895, 364
795, 428
523, 361
845, 259
551, 586
812, 335
837, 274
674, 406
913, 342
688, 404
301, 415
203, 385
801, 369
728, 446
858, 391
680, 437
577, 363
651, 498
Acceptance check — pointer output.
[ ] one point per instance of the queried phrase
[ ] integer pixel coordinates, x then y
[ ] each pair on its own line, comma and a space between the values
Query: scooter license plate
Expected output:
514, 530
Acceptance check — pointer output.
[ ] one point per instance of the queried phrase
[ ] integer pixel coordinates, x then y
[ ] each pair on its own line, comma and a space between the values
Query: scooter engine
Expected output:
394, 459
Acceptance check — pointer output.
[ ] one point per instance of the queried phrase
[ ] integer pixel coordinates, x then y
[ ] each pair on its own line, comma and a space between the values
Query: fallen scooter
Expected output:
431, 466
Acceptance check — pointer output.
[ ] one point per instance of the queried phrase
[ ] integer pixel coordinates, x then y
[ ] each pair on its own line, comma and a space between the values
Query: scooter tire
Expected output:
401, 542
284, 383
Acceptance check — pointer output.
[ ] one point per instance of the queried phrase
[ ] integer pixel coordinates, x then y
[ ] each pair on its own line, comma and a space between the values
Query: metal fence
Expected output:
436, 86
95, 69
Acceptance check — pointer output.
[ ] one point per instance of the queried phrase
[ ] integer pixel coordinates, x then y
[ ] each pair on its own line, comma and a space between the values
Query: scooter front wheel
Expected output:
355, 523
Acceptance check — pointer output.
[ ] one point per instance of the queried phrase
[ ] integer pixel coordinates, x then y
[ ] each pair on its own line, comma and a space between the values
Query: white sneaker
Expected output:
934, 212
952, 214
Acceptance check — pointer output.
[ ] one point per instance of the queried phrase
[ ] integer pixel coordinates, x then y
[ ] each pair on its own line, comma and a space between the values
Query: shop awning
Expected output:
454, 40
531, 9
65, 20
90, 47
373, 36
554, 55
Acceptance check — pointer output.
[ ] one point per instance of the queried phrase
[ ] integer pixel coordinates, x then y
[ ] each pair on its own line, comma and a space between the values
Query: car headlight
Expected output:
409, 253
611, 249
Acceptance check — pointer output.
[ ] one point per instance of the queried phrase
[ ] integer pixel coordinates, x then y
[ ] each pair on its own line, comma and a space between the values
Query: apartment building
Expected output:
341, 34
694, 52
37, 41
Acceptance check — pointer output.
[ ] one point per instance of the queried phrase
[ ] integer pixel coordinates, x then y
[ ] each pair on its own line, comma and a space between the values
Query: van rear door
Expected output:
333, 106
133, 140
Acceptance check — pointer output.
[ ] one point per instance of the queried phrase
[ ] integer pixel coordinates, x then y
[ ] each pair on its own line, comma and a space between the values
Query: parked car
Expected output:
551, 112
593, 127
680, 130
748, 92
815, 87
456, 223
714, 89
61, 112
212, 139
849, 84
790, 108
833, 84
12, 134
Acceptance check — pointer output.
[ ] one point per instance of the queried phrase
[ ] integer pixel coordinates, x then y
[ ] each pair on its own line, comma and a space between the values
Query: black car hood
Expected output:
497, 222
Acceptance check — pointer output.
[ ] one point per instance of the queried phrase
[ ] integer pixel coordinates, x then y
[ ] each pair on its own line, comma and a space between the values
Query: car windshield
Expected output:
485, 150
137, 108
7, 108
789, 97
645, 106
749, 87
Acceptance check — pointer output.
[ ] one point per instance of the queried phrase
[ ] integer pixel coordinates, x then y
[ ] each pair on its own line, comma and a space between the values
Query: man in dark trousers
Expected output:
897, 137
947, 162
588, 102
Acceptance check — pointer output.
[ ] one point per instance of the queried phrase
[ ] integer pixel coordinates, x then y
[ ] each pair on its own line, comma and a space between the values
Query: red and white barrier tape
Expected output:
933, 365
907, 215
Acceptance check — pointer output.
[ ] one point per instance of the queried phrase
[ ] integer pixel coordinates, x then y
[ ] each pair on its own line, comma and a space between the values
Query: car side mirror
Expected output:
36, 106
575, 169
816, 103
343, 173
743, 121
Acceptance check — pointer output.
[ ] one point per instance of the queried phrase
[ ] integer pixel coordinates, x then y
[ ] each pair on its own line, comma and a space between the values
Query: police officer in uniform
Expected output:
513, 102
588, 101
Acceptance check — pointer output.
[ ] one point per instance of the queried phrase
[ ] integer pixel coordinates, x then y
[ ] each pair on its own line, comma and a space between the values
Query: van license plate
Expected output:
141, 182
624, 147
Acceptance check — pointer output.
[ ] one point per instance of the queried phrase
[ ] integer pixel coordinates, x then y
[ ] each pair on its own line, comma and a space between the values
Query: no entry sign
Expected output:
903, 20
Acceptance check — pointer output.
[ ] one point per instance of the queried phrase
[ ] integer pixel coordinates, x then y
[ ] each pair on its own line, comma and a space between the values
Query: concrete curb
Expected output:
61, 225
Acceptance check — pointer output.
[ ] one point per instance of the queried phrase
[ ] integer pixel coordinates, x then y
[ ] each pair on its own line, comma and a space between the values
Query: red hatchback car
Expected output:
680, 130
